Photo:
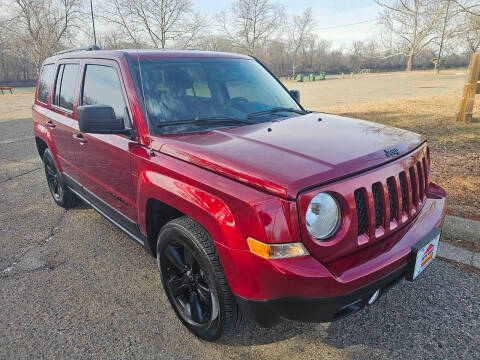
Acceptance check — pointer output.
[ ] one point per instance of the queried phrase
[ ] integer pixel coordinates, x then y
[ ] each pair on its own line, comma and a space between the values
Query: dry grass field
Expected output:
455, 147
418, 101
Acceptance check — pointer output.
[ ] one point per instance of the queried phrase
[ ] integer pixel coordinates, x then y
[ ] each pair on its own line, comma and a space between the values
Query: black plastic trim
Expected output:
269, 312
111, 214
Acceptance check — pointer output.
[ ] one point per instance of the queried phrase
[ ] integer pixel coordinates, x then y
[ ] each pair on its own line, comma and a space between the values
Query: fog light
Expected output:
276, 251
374, 297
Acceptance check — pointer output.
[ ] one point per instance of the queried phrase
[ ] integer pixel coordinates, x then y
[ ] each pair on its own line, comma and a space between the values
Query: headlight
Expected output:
323, 216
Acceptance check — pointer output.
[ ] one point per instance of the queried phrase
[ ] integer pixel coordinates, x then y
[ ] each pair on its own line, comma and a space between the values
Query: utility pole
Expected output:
93, 24
437, 63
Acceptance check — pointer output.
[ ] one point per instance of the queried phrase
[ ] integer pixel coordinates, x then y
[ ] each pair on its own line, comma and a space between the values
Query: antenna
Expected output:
145, 103
93, 24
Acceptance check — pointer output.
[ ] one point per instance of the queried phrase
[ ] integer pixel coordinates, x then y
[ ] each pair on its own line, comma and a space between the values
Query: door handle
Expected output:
50, 124
79, 137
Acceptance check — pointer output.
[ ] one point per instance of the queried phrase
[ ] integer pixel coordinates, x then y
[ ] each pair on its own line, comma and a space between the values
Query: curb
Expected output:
457, 228
458, 254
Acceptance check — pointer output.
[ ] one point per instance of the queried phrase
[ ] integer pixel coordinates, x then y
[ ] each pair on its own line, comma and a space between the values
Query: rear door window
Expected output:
45, 82
65, 86
101, 86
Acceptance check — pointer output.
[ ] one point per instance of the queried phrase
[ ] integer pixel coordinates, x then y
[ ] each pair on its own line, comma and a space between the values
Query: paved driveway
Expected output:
73, 286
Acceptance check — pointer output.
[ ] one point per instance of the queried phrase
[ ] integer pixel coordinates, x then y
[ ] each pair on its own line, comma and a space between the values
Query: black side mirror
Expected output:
100, 119
295, 94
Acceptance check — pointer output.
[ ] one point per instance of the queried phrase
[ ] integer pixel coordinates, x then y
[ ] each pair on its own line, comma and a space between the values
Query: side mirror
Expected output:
295, 94
100, 119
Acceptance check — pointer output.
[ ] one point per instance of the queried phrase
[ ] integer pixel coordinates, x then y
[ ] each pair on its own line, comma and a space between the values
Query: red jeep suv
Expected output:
252, 205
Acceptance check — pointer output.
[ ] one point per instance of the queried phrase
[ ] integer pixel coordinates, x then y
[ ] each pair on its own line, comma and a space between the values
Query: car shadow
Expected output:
432, 317
249, 333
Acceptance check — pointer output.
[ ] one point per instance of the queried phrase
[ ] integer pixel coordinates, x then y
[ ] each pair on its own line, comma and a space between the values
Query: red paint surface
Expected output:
247, 181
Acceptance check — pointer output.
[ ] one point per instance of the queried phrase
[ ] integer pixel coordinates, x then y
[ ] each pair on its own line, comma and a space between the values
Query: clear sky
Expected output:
332, 14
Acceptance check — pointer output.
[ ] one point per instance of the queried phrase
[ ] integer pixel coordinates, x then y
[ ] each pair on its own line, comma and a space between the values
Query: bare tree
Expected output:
471, 7
194, 27
470, 33
251, 23
43, 26
162, 22
300, 29
414, 22
121, 14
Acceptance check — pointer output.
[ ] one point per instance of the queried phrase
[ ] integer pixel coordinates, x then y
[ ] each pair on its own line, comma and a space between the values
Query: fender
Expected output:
42, 132
230, 211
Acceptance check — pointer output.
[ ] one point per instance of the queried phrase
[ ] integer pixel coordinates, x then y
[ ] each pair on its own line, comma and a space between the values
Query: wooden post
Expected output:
472, 87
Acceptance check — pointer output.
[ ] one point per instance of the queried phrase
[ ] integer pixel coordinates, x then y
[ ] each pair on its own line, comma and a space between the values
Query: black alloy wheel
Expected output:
194, 280
188, 286
53, 179
62, 195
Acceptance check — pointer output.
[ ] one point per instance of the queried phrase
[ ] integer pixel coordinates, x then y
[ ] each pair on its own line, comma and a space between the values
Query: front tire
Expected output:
60, 192
194, 280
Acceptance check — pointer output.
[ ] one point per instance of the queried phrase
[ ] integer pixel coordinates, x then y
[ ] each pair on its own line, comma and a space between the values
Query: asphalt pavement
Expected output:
73, 286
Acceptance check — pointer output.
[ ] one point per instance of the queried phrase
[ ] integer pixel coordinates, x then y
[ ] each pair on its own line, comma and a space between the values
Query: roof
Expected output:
145, 54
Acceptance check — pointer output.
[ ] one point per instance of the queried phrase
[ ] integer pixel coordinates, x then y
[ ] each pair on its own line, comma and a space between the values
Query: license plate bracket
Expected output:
423, 253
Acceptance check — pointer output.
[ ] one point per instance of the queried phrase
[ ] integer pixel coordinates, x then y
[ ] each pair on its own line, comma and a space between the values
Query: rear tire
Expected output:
194, 280
59, 190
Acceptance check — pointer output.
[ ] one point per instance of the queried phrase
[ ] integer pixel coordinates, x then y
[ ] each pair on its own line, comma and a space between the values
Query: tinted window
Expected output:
56, 93
65, 86
102, 87
44, 83
186, 89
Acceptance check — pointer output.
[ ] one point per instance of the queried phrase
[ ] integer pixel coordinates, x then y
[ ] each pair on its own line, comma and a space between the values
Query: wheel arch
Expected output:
41, 146
157, 214
160, 202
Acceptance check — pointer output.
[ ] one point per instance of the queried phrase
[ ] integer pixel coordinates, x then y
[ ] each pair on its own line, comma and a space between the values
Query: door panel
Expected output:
103, 161
62, 137
62, 114
104, 166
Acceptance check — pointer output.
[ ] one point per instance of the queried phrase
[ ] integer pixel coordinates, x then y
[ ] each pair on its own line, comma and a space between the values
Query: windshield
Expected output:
182, 91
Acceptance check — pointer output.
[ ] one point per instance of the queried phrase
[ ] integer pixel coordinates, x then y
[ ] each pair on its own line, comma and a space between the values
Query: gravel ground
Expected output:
72, 285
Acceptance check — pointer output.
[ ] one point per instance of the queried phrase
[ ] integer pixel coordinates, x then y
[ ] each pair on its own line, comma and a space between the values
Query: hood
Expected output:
287, 156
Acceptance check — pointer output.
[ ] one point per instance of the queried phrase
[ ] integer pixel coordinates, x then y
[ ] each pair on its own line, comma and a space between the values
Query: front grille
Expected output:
403, 189
391, 197
410, 186
361, 211
413, 184
421, 184
377, 200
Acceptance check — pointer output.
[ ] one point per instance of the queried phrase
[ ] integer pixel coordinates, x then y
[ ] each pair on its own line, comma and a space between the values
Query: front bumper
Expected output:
268, 312
305, 289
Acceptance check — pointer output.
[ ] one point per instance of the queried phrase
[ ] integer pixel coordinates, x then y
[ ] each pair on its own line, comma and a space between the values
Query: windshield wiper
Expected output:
205, 120
275, 110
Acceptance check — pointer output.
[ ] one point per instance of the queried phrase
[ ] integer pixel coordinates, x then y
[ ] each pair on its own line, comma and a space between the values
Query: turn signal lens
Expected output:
276, 251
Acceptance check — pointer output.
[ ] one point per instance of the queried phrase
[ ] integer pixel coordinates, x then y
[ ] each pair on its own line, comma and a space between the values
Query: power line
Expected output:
345, 25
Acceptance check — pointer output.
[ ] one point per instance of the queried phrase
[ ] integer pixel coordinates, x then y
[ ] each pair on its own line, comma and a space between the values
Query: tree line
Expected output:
412, 33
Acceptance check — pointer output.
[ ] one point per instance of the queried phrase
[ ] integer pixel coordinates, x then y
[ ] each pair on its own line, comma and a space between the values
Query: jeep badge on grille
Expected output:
391, 152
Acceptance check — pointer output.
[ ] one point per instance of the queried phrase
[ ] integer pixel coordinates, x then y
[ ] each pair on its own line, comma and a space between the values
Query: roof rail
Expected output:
87, 48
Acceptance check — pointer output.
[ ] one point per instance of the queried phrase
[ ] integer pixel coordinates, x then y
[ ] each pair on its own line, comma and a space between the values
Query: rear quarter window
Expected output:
44, 83
65, 86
